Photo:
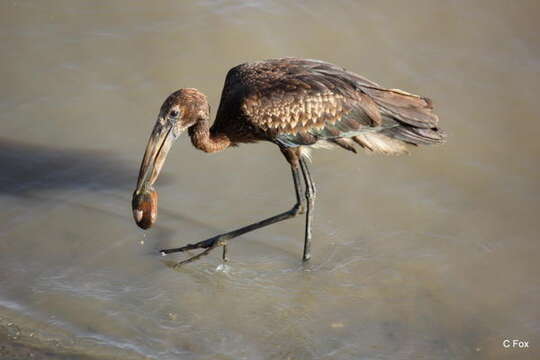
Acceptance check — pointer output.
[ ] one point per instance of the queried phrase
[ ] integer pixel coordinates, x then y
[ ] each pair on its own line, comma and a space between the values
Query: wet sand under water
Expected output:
17, 343
12, 350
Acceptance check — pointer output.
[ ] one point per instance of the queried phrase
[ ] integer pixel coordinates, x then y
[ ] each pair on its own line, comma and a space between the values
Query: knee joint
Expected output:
310, 195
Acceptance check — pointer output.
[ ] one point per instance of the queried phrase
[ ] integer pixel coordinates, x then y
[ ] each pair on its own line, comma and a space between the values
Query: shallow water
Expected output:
433, 255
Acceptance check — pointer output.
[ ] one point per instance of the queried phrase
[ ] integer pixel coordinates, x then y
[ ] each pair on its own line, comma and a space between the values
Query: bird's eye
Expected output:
174, 114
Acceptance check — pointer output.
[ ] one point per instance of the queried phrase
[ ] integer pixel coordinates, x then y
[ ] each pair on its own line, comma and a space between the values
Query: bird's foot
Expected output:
209, 245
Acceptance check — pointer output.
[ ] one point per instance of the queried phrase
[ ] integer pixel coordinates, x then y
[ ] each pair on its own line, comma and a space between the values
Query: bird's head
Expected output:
180, 111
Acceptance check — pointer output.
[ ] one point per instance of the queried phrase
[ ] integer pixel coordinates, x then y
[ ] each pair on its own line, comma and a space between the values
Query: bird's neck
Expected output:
203, 140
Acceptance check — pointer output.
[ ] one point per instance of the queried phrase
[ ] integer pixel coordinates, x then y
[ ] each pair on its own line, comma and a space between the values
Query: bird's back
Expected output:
295, 102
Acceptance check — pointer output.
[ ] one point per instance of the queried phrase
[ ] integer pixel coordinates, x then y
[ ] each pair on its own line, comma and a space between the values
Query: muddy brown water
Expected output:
427, 256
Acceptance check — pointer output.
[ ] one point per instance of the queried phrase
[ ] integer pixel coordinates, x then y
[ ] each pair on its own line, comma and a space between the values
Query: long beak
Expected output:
158, 147
144, 202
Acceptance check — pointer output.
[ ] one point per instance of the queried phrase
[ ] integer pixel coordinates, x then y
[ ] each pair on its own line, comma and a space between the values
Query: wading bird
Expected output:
296, 104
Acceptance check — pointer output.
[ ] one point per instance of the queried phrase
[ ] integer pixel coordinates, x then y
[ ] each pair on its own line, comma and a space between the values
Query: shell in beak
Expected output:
144, 206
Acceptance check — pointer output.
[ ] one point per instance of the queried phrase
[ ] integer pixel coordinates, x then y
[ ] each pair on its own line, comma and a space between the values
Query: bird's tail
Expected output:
408, 119
415, 135
394, 141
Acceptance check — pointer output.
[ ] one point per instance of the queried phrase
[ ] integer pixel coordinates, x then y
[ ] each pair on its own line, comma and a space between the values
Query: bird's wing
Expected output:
404, 107
298, 102
302, 117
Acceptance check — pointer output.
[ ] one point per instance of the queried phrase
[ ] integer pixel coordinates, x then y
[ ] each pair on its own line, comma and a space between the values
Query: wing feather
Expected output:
299, 102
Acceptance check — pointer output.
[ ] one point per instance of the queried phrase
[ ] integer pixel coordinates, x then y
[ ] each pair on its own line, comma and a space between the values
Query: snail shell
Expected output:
144, 207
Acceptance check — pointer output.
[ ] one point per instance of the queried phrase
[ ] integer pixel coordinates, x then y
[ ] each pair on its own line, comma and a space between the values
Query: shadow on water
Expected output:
28, 168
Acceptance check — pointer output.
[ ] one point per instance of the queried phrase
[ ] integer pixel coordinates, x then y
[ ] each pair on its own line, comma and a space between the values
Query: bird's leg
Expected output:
221, 240
310, 197
224, 256
300, 200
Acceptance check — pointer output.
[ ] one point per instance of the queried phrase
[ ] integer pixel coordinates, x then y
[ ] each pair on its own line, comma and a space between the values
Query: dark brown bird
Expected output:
296, 104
